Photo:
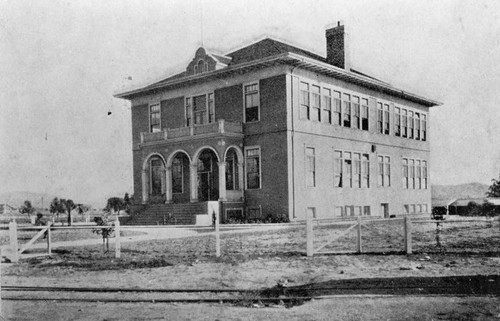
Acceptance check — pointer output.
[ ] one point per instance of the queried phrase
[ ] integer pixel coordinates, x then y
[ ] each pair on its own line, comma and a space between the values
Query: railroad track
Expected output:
288, 295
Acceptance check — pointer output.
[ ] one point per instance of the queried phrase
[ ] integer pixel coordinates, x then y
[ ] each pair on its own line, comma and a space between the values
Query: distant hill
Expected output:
16, 199
470, 190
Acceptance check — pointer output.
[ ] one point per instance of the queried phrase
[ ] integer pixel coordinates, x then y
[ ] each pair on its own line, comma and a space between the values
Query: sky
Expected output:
62, 61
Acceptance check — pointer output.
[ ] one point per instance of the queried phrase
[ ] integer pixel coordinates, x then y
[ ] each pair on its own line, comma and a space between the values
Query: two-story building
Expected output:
272, 130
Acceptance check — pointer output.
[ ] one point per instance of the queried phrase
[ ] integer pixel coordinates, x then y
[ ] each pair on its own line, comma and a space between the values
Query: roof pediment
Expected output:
205, 61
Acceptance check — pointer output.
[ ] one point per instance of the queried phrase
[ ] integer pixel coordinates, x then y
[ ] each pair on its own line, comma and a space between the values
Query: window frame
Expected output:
150, 118
246, 166
189, 103
245, 85
308, 169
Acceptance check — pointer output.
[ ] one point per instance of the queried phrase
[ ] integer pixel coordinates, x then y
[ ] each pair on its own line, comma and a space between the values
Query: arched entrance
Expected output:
180, 178
153, 179
208, 176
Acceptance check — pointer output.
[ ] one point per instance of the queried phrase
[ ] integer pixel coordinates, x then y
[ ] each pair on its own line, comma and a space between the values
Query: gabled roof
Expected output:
268, 52
266, 48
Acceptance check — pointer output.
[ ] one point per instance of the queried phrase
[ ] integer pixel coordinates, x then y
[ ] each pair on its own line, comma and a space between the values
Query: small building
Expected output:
273, 131
461, 206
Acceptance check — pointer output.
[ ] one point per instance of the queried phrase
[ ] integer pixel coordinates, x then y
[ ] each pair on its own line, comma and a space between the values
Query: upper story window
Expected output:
337, 105
201, 109
347, 110
252, 102
356, 112
201, 66
397, 121
316, 104
327, 105
304, 101
364, 114
410, 124
154, 118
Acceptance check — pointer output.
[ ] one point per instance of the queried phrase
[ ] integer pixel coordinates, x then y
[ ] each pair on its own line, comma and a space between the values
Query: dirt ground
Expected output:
261, 260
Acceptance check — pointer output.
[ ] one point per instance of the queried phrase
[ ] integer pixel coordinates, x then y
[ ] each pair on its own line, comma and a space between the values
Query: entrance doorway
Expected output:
208, 176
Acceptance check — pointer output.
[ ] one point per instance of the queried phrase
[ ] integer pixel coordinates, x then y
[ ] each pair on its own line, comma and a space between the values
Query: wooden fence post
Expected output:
408, 245
118, 250
49, 238
217, 235
359, 247
14, 247
309, 235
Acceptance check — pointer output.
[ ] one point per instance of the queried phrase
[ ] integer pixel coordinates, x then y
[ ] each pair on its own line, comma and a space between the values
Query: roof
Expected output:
270, 52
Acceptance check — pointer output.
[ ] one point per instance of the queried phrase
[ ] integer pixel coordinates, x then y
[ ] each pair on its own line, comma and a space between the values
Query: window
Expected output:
349, 210
347, 170
357, 210
397, 121
339, 211
154, 118
188, 112
177, 175
200, 109
310, 167
211, 108
405, 123
424, 127
337, 105
156, 168
232, 171
304, 100
356, 175
406, 208
384, 168
252, 166
424, 208
380, 118
410, 124
364, 114
316, 104
412, 174
418, 183
347, 110
424, 174
406, 179
251, 92
356, 119
327, 105
366, 211
365, 171
387, 123
417, 126
337, 169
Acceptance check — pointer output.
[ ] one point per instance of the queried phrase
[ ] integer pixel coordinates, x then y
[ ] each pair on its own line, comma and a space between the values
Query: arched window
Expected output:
201, 66
177, 174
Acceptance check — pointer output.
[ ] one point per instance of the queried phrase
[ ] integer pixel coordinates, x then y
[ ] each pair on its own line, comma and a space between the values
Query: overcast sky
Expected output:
61, 62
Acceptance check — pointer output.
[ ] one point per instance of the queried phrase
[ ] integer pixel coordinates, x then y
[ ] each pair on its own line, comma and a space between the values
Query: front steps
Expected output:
158, 214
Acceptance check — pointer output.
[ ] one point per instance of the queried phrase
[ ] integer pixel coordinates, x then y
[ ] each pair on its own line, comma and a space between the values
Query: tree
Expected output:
68, 206
494, 189
115, 203
26, 208
56, 207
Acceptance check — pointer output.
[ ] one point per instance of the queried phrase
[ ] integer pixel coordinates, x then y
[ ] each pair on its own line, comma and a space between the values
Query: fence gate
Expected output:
384, 235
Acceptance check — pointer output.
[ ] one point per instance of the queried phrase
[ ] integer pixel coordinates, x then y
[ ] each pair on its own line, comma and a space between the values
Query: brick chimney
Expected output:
337, 47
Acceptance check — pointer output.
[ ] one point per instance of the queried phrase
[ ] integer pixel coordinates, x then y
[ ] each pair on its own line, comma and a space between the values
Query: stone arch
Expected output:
200, 150
172, 155
239, 153
145, 163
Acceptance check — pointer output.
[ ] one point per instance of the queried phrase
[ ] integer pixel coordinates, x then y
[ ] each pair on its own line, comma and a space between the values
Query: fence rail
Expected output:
402, 231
